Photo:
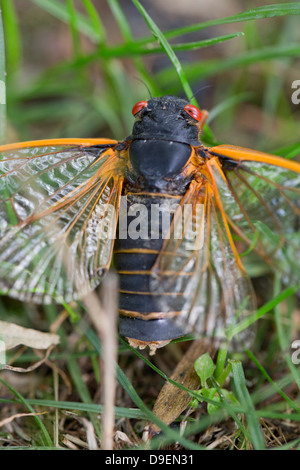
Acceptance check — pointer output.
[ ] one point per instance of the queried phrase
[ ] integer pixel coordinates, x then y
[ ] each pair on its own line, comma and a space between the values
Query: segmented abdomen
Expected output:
144, 222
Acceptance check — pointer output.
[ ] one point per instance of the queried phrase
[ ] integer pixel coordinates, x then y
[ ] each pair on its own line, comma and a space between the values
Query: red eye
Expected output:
193, 111
138, 107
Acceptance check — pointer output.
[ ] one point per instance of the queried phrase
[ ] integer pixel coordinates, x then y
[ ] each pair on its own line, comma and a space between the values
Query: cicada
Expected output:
174, 216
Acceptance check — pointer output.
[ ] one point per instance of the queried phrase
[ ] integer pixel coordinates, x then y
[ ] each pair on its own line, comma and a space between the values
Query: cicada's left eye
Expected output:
139, 106
193, 111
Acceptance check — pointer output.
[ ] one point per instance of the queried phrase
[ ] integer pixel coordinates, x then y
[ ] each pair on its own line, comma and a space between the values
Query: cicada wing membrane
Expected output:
262, 203
251, 206
198, 276
58, 215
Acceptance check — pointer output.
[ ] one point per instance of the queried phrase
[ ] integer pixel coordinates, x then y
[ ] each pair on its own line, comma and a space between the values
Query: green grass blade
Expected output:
289, 151
172, 435
246, 402
96, 22
60, 11
192, 393
208, 68
129, 40
120, 412
228, 103
46, 439
220, 363
13, 46
258, 396
284, 340
124, 50
231, 411
175, 62
288, 446
242, 325
167, 48
267, 11
279, 415
74, 28
82, 390
121, 20
32, 448
2, 84
290, 402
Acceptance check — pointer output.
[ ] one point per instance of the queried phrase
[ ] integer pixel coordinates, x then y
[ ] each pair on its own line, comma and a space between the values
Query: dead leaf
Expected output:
12, 335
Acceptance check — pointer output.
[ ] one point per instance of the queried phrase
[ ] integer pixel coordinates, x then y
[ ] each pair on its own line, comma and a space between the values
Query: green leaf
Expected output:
227, 395
210, 394
211, 409
204, 367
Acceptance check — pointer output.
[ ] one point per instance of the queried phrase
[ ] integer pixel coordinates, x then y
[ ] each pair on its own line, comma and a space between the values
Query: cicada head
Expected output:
167, 118
164, 132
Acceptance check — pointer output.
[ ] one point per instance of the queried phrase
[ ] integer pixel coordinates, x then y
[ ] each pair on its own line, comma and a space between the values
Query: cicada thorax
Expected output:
151, 202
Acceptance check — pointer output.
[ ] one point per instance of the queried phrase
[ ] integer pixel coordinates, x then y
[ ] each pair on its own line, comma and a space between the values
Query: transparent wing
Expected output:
58, 213
262, 204
200, 272
246, 207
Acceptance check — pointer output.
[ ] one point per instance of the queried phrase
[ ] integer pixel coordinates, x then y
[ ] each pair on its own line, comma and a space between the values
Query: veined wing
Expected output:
58, 214
261, 198
205, 276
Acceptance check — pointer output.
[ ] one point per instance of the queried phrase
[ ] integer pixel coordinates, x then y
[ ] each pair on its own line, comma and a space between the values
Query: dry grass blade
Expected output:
32, 367
104, 318
5, 421
90, 434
